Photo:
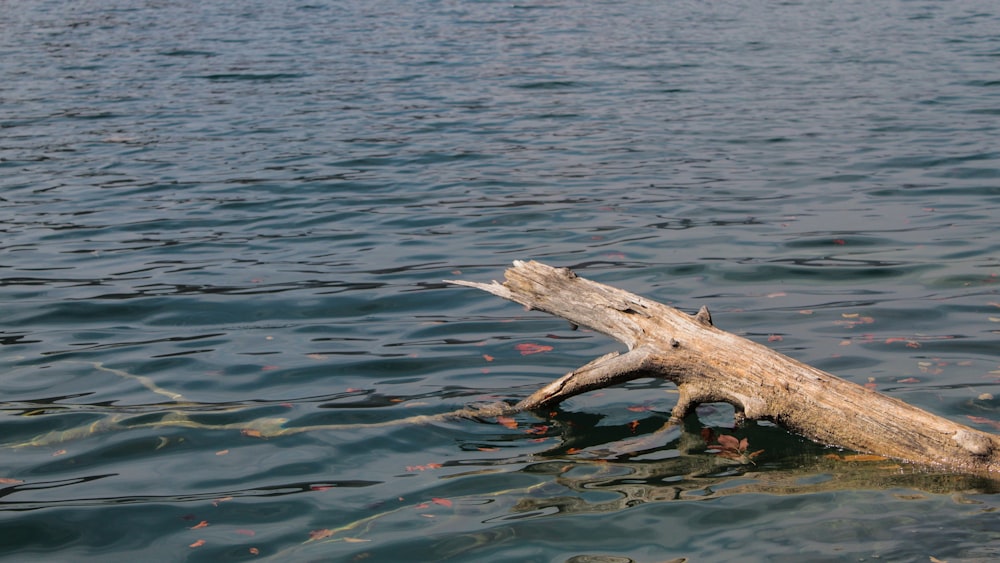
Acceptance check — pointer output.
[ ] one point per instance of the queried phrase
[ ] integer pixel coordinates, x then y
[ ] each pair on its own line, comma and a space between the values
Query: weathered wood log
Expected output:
709, 365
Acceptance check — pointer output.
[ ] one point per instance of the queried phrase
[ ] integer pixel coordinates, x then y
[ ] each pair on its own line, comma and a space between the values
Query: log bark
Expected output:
710, 365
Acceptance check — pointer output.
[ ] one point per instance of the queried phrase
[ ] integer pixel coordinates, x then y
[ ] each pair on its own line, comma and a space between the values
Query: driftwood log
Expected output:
709, 365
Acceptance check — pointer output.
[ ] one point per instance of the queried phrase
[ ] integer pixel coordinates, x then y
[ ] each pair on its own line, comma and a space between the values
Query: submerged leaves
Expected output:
735, 449
528, 348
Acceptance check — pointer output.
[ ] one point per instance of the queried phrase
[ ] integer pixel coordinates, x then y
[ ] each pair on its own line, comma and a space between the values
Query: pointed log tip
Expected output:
704, 317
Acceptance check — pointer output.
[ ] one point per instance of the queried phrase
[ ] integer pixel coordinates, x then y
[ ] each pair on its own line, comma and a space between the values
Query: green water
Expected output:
225, 228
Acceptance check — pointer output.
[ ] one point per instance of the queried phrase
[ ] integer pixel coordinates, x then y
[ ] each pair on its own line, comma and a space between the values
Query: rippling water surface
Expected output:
225, 227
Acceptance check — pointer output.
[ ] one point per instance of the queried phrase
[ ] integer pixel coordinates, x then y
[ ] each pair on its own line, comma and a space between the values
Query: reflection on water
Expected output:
226, 226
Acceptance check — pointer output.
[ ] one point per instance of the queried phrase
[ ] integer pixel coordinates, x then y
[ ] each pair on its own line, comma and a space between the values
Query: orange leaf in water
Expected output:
58, 453
775, 338
254, 551
727, 441
488, 357
982, 420
251, 433
507, 422
221, 499
639, 408
244, 532
572, 451
908, 380
633, 425
199, 525
355, 540
9, 481
320, 534
198, 543
527, 348
441, 501
222, 452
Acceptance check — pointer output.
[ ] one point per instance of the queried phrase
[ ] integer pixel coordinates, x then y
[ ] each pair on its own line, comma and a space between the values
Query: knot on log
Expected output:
703, 316
976, 444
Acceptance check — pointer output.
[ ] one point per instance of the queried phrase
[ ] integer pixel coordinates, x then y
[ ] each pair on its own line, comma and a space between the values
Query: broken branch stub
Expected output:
711, 365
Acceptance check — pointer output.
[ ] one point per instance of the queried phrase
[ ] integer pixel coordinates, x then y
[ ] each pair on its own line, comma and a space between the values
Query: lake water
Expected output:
225, 227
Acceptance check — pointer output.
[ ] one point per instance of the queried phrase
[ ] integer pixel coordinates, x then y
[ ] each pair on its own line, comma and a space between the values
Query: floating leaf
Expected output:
251, 433
317, 357
982, 420
528, 348
222, 452
198, 543
199, 525
488, 357
507, 422
639, 408
775, 338
727, 441
537, 429
424, 467
320, 534
633, 425
355, 540
254, 551
441, 501
9, 481
245, 532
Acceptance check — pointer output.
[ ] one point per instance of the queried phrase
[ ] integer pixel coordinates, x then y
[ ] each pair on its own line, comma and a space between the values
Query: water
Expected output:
220, 220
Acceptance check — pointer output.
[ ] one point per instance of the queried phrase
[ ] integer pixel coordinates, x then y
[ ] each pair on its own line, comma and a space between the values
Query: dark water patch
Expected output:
187, 53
